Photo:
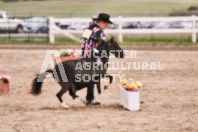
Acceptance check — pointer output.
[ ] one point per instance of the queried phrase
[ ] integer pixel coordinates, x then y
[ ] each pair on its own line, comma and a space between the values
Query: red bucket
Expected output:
4, 87
64, 58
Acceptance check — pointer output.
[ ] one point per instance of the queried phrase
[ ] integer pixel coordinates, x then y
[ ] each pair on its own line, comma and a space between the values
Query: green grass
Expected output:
158, 40
16, 41
88, 8
39, 41
63, 41
127, 41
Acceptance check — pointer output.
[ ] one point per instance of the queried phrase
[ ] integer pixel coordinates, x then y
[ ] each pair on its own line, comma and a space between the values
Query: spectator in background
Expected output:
139, 25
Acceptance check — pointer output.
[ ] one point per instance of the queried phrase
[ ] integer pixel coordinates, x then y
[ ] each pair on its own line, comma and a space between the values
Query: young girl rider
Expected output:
91, 38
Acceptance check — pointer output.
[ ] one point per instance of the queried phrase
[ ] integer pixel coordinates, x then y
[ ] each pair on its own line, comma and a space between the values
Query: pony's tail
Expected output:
38, 81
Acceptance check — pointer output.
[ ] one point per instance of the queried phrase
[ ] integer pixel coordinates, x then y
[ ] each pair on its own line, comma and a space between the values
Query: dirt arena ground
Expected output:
169, 97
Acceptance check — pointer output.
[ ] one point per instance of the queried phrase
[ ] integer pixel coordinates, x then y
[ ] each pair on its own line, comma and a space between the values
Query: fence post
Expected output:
51, 32
120, 37
9, 30
194, 35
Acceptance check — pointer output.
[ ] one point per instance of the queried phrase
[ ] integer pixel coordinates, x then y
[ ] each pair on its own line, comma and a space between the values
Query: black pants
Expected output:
90, 93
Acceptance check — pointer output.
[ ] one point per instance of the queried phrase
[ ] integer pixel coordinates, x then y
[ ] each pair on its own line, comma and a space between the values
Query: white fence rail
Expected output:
120, 31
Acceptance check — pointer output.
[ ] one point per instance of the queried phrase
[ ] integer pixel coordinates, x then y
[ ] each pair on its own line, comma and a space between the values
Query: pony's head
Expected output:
111, 46
115, 49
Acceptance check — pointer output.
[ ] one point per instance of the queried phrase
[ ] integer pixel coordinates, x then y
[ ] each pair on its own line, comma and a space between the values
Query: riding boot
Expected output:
97, 103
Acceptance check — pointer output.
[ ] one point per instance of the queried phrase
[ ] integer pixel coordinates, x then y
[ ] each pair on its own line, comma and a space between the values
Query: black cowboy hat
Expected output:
103, 17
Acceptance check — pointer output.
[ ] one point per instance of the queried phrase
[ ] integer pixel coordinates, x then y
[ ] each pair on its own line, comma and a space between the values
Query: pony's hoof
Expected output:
105, 87
64, 105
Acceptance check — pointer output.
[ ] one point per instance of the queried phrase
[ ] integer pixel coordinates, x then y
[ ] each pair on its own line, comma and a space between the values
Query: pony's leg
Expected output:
59, 96
71, 93
98, 87
73, 88
110, 80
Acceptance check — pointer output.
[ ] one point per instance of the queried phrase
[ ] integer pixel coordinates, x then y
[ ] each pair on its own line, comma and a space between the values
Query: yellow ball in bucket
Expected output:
124, 81
139, 84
